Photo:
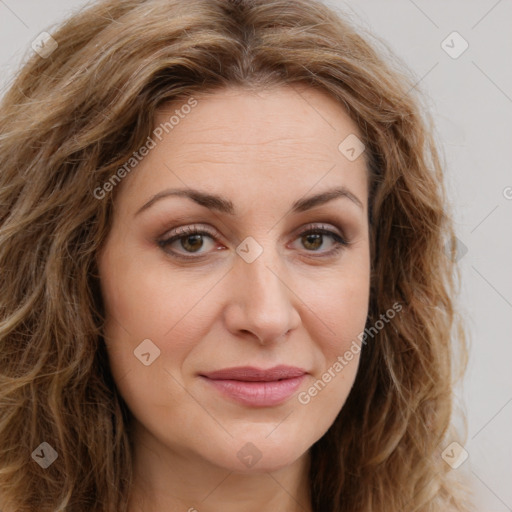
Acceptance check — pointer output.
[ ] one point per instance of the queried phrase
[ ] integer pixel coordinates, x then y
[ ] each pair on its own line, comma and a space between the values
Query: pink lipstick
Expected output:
256, 387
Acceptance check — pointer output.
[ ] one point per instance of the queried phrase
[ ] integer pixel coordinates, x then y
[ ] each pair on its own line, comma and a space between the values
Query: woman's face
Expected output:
259, 262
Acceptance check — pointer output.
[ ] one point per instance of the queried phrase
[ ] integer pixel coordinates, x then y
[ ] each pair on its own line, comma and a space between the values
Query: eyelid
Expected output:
321, 226
184, 230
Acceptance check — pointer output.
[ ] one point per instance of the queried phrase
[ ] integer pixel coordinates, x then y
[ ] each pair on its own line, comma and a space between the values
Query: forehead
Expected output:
240, 115
284, 137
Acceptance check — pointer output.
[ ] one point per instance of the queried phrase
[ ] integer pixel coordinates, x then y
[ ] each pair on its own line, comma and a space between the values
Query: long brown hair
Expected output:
72, 118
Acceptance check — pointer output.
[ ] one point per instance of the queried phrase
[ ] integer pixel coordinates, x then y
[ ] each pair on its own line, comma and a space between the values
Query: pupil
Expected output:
194, 246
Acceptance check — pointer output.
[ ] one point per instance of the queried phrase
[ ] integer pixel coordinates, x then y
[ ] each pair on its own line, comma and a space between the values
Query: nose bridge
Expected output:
264, 285
264, 304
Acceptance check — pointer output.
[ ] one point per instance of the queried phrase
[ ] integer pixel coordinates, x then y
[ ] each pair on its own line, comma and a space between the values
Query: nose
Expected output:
262, 304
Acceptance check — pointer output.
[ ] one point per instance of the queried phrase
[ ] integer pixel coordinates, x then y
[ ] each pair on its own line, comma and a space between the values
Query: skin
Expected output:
262, 151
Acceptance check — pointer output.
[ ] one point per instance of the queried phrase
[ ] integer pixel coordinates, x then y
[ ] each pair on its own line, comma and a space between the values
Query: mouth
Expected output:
256, 387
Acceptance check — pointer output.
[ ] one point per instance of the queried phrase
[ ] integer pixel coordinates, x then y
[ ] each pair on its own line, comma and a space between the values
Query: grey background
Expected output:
470, 98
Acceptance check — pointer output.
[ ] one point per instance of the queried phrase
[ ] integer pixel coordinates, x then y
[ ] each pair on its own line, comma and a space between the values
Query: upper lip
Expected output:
252, 374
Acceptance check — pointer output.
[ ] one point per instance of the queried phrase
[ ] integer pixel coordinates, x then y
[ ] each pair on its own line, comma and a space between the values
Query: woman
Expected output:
224, 276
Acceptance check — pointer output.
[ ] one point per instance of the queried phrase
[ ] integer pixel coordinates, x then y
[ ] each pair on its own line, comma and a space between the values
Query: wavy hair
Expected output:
69, 120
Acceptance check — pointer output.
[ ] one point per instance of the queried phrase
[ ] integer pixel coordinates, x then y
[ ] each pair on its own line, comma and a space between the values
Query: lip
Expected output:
256, 387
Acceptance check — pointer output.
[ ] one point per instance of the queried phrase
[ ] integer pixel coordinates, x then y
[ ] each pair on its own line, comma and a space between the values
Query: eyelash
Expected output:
182, 233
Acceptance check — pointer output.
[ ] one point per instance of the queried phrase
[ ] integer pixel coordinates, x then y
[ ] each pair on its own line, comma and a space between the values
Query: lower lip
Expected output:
258, 394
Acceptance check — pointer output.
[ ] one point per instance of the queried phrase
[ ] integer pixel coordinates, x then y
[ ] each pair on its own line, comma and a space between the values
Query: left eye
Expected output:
314, 239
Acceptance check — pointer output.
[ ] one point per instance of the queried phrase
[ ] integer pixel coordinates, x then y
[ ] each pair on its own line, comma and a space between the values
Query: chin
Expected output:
257, 454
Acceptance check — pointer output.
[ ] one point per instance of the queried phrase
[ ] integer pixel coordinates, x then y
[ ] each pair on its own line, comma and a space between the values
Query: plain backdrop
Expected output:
470, 97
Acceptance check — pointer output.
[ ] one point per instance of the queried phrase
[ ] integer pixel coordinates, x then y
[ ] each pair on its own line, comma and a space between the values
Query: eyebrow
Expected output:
218, 203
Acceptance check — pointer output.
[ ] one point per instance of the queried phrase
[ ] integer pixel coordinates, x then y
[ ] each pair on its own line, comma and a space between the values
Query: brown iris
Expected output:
313, 239
192, 243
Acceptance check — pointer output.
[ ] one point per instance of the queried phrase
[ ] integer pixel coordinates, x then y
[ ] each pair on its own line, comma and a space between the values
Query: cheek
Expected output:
341, 309
341, 303
143, 297
144, 301
142, 305
344, 309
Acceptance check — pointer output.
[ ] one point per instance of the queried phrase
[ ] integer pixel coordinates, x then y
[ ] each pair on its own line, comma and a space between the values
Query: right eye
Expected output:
188, 240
